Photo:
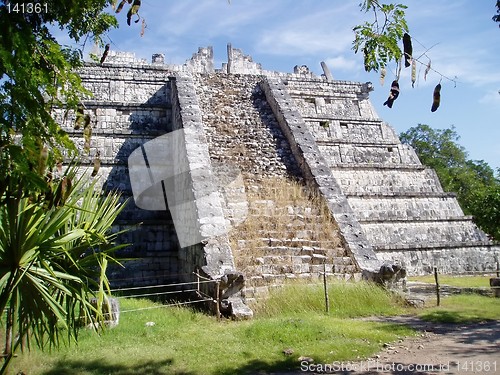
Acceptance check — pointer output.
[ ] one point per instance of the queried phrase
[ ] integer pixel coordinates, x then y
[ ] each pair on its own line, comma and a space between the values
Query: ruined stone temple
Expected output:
369, 200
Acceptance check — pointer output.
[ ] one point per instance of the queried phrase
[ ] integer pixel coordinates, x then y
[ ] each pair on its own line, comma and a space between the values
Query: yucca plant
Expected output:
53, 255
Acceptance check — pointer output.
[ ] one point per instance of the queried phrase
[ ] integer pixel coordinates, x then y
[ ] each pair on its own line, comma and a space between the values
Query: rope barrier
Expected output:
166, 305
163, 285
158, 294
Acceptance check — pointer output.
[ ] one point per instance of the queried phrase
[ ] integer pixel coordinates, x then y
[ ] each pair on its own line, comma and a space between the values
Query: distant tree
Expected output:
496, 17
475, 182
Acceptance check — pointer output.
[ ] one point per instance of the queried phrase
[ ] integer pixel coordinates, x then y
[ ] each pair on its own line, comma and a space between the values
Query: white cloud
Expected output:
325, 31
491, 97
343, 63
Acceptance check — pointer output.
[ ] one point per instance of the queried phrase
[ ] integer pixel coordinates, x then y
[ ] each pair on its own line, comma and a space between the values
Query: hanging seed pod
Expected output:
134, 9
86, 121
383, 72
97, 164
79, 117
143, 27
120, 6
42, 161
413, 72
105, 53
393, 94
65, 188
62, 192
436, 98
427, 70
400, 66
87, 134
408, 49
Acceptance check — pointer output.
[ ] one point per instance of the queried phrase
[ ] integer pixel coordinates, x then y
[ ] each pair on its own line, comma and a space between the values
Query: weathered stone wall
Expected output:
130, 106
241, 128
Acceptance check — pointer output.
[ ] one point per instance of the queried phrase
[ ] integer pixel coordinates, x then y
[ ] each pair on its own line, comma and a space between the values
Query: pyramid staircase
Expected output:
278, 231
288, 237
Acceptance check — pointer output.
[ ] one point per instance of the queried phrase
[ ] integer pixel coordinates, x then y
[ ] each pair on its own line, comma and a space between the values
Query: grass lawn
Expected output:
463, 308
184, 341
458, 281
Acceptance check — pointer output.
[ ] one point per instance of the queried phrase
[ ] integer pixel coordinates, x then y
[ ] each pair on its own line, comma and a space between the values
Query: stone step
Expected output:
404, 220
311, 216
383, 143
375, 166
298, 269
384, 208
297, 236
383, 181
271, 209
422, 232
292, 222
257, 283
290, 251
274, 243
409, 194
433, 246
294, 258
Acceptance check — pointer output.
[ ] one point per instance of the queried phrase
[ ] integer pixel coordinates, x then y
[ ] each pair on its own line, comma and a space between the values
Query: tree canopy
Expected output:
36, 75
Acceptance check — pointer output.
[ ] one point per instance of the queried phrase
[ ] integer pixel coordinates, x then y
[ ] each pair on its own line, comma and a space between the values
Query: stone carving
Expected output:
389, 274
326, 71
302, 69
158, 58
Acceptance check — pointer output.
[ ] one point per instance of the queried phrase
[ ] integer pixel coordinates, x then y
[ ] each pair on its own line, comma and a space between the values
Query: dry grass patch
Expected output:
282, 212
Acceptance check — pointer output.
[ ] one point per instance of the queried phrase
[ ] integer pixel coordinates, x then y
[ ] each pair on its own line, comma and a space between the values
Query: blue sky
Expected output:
283, 33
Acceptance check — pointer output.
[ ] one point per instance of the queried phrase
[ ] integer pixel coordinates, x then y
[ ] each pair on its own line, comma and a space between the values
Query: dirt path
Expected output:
437, 349
442, 349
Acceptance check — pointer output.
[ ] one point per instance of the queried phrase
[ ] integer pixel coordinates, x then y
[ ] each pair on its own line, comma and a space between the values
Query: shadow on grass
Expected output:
263, 367
99, 367
453, 317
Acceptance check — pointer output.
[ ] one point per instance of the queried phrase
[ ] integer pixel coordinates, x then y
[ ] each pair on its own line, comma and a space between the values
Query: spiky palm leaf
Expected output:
51, 260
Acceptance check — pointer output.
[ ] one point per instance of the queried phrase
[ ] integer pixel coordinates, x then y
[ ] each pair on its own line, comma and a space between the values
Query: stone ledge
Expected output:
401, 195
358, 166
434, 246
341, 141
406, 220
134, 65
91, 104
119, 133
349, 120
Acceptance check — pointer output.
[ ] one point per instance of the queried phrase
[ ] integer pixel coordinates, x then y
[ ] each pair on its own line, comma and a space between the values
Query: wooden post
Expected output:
327, 300
498, 268
437, 286
217, 300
